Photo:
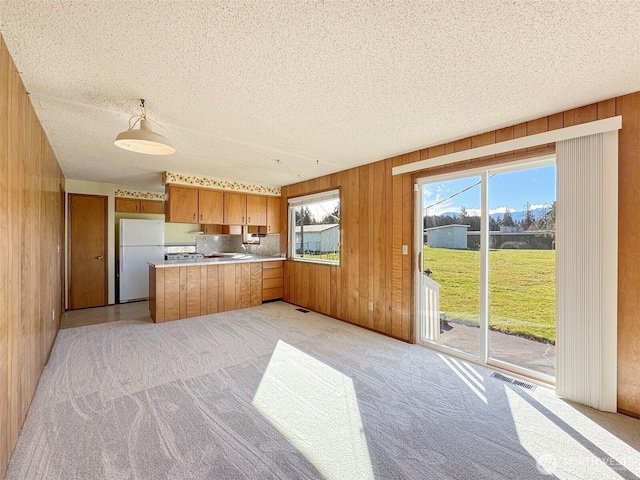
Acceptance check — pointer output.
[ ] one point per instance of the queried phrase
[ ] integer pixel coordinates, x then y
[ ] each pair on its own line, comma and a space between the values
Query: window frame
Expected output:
303, 200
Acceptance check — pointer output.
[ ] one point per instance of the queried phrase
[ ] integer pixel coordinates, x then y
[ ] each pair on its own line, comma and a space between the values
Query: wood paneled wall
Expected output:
377, 220
629, 254
31, 266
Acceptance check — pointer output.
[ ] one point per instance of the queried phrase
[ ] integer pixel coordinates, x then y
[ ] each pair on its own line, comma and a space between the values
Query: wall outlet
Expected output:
405, 249
371, 306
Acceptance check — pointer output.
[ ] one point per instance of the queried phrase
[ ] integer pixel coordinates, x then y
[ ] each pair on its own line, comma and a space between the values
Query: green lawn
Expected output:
521, 289
323, 256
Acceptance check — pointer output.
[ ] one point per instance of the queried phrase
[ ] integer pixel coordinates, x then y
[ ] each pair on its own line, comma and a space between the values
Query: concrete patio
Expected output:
531, 354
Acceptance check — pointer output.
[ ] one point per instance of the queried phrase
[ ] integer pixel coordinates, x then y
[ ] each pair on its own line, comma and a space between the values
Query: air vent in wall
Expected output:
513, 381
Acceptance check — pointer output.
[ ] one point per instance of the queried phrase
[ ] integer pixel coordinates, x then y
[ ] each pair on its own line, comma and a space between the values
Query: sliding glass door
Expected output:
486, 271
450, 267
522, 264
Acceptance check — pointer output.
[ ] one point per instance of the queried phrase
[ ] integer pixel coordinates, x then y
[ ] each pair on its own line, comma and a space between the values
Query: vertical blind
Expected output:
586, 272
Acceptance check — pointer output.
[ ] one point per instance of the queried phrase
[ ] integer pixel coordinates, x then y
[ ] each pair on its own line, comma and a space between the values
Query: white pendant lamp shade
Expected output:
143, 139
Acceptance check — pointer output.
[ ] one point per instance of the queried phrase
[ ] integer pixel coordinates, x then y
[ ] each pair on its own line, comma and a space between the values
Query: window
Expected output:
314, 227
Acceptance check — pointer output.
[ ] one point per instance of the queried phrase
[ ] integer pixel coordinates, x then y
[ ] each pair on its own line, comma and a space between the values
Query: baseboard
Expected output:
350, 323
628, 413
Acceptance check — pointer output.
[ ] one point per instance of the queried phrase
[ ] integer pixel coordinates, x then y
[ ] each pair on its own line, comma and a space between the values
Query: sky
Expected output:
506, 191
321, 209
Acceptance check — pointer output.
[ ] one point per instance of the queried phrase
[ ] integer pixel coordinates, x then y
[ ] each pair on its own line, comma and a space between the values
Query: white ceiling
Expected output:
321, 86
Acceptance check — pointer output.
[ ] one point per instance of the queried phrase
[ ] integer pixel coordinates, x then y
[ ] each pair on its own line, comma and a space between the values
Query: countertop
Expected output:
223, 258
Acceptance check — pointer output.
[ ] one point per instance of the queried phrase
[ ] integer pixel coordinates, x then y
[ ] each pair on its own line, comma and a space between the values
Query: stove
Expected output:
183, 256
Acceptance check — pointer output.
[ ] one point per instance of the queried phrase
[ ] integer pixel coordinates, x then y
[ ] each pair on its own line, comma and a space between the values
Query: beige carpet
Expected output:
273, 393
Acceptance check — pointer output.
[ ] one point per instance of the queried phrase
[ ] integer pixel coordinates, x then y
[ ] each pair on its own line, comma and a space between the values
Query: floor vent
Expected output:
513, 381
302, 310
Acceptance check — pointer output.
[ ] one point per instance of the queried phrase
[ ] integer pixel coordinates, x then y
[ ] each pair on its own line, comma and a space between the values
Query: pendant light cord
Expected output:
143, 115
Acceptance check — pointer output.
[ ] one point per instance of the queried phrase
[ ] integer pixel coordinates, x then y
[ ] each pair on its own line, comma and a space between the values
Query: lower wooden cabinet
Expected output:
183, 292
272, 280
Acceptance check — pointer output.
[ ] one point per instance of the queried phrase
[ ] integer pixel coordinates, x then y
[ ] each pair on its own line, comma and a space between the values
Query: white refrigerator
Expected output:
141, 241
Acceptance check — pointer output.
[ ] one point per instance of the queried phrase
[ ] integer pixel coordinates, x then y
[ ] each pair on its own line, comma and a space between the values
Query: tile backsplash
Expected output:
210, 244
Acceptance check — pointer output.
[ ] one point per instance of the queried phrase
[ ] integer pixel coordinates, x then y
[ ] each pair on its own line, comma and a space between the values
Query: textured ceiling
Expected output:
321, 86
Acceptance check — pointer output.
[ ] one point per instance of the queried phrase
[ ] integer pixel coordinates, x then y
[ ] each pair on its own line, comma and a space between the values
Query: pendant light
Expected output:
143, 139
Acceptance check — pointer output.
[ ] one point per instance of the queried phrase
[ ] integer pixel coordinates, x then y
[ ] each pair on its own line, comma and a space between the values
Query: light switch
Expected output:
405, 249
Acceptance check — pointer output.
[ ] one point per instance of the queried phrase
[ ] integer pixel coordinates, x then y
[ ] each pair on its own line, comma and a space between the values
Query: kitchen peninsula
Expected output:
188, 288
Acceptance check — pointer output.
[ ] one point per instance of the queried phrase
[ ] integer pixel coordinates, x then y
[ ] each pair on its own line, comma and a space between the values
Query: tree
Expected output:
333, 217
507, 220
551, 217
528, 219
305, 216
464, 217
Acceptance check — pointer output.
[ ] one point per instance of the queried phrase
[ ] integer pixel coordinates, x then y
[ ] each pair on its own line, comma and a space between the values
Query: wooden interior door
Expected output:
87, 251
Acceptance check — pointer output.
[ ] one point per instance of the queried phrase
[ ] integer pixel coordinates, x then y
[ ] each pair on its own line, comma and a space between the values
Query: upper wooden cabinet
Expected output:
182, 204
129, 205
273, 214
151, 206
211, 206
235, 208
215, 207
256, 210
134, 205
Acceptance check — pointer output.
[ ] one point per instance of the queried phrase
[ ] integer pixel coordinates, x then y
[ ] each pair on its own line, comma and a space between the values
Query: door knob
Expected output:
99, 257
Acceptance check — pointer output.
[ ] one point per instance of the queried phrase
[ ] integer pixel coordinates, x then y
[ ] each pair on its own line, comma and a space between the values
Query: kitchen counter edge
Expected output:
213, 261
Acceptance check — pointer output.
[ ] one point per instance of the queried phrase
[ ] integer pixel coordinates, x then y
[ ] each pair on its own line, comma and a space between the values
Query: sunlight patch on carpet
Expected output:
474, 385
315, 407
581, 448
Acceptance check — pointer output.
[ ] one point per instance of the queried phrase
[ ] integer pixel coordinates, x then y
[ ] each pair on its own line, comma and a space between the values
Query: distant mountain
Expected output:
517, 216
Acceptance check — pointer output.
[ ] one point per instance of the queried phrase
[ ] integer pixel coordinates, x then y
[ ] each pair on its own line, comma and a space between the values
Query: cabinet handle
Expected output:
269, 227
194, 216
200, 216
249, 220
136, 208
